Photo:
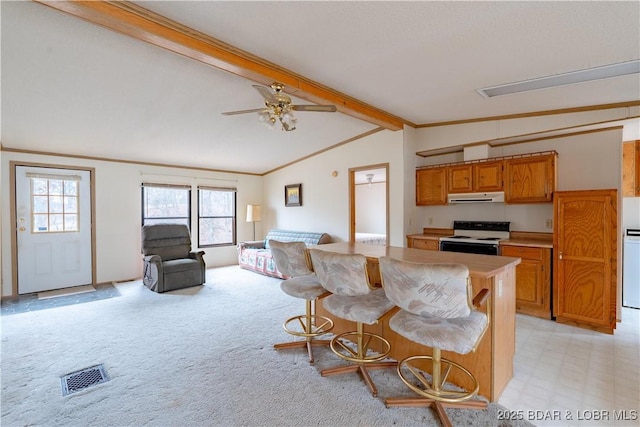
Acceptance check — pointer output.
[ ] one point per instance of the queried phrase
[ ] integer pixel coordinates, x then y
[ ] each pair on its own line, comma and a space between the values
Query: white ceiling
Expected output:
69, 86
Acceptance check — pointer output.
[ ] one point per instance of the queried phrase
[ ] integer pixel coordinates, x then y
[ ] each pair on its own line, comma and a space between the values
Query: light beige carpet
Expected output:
201, 356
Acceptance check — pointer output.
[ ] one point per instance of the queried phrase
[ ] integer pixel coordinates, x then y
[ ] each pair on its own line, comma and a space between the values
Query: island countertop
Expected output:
479, 265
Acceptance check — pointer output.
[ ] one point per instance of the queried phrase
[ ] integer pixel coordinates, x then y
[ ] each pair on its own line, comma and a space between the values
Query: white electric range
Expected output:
476, 237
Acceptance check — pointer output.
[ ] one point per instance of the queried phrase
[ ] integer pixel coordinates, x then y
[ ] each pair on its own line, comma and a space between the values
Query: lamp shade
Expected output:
254, 213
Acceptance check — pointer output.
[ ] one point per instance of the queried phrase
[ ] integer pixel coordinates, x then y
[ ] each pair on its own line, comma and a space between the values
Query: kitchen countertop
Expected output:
426, 236
518, 238
483, 266
525, 238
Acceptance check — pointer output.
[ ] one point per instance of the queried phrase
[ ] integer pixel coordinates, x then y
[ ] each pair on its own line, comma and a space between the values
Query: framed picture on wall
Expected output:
293, 195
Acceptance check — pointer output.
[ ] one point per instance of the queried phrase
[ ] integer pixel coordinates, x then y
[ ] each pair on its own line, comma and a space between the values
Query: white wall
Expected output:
325, 198
370, 208
118, 211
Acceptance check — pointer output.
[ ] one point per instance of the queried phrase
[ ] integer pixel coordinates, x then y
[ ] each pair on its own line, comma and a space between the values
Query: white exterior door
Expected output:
53, 213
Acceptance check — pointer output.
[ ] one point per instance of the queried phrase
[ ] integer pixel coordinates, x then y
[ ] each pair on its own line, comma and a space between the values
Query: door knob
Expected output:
560, 255
21, 229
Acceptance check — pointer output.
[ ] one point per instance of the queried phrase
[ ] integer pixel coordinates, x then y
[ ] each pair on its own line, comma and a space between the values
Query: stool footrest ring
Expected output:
417, 381
308, 326
360, 355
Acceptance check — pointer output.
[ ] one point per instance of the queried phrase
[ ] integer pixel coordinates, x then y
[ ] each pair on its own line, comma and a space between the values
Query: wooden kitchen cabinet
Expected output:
428, 244
460, 178
637, 168
431, 186
629, 169
476, 177
533, 279
487, 176
530, 179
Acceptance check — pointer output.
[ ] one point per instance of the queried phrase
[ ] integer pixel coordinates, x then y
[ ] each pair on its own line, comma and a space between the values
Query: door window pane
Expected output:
52, 202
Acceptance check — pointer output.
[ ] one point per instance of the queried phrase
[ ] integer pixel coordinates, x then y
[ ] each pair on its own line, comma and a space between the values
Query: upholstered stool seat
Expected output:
305, 287
346, 277
436, 311
292, 260
458, 334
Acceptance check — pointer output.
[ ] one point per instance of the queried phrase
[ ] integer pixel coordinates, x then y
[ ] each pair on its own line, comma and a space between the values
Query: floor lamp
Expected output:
254, 215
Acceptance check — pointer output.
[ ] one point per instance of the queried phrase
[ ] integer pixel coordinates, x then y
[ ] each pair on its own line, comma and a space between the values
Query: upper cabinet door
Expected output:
487, 176
460, 179
476, 177
431, 186
530, 179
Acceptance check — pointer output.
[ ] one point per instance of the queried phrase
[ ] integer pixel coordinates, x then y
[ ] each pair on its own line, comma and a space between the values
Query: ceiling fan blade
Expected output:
317, 108
265, 92
232, 113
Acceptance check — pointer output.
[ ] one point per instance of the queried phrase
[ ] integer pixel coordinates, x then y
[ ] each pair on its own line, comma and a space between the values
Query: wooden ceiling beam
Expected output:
142, 24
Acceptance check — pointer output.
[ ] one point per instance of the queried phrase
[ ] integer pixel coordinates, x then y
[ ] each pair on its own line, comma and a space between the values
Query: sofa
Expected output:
256, 255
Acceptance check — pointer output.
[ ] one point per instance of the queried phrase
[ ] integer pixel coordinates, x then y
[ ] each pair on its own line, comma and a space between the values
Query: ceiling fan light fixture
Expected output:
267, 118
263, 116
277, 106
288, 121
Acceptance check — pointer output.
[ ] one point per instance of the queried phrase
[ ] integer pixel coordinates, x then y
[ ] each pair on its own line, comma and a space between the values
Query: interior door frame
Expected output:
14, 219
352, 198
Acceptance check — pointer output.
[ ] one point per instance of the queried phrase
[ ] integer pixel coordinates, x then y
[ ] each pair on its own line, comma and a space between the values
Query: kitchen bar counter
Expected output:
492, 362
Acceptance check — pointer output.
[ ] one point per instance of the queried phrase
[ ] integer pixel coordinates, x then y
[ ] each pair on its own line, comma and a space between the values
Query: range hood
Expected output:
493, 197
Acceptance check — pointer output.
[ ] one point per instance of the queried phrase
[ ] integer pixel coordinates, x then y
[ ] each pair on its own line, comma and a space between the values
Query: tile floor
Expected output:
31, 302
568, 376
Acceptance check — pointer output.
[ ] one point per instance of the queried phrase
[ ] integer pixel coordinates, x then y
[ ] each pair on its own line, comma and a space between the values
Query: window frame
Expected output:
169, 186
233, 217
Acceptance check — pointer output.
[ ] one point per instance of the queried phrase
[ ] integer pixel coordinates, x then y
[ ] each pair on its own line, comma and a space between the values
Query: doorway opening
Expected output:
369, 204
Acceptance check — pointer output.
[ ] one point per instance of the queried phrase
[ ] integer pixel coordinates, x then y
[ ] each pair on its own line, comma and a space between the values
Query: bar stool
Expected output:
345, 276
292, 260
437, 312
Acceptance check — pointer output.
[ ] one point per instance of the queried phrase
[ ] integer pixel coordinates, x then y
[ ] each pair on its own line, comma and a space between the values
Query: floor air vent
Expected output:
80, 380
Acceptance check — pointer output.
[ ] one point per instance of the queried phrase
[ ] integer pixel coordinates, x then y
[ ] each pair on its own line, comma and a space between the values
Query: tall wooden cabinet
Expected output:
585, 258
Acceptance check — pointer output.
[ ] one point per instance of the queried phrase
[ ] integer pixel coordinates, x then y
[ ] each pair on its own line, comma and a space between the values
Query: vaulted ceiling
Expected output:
72, 86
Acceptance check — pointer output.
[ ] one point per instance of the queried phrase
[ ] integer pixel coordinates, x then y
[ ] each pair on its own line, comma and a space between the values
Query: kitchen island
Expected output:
492, 362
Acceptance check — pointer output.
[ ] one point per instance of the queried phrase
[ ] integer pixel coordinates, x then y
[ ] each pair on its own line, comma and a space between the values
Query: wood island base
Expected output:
492, 362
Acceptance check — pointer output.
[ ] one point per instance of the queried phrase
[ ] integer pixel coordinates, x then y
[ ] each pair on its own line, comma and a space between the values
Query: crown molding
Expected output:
535, 114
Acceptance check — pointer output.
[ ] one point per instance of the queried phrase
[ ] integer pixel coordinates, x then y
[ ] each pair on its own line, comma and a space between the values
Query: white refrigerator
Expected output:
631, 269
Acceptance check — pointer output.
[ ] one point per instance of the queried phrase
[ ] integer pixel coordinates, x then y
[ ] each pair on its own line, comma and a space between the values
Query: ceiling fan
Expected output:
277, 106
